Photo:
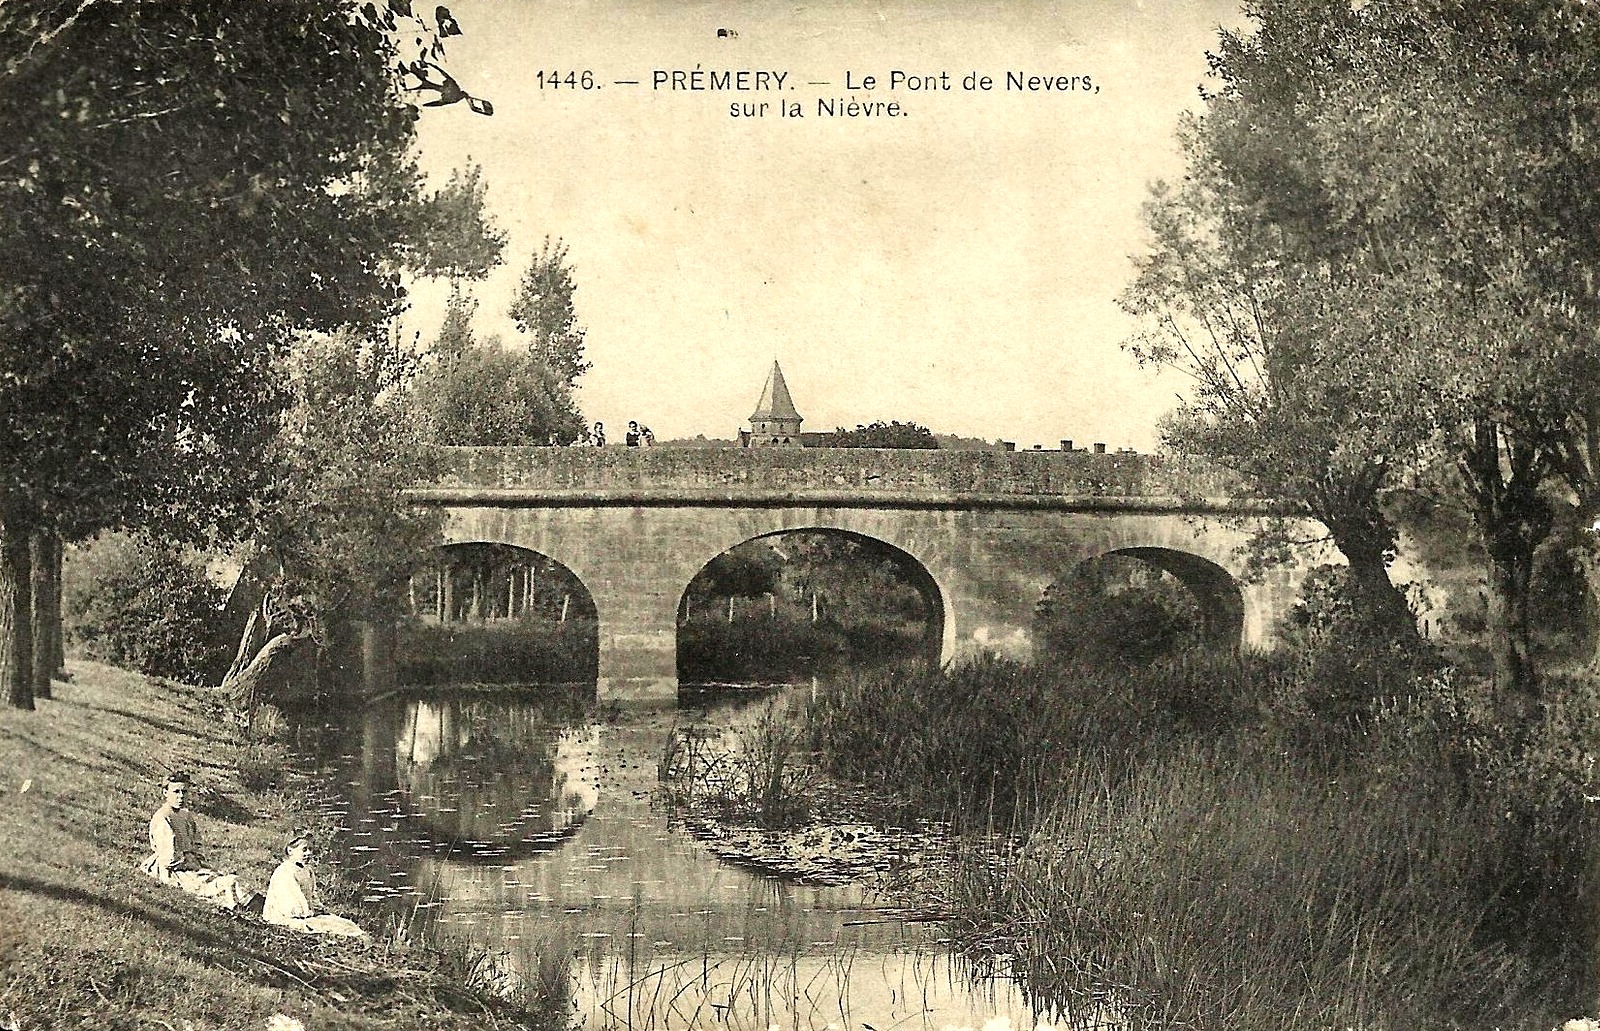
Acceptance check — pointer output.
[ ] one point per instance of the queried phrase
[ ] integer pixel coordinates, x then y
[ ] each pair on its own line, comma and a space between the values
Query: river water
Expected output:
530, 825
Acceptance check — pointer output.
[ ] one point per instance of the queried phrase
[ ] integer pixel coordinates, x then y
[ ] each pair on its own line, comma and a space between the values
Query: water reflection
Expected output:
527, 825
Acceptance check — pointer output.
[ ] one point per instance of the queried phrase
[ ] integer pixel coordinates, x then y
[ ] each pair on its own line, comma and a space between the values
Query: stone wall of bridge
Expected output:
990, 565
824, 475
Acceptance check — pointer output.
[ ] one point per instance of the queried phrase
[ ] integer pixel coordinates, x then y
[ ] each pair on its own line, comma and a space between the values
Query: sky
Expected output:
957, 266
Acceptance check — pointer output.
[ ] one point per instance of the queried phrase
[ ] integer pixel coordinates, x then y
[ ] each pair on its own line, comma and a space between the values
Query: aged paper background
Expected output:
957, 265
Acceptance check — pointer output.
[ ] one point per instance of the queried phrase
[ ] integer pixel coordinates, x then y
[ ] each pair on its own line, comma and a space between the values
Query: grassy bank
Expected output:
1187, 847
88, 941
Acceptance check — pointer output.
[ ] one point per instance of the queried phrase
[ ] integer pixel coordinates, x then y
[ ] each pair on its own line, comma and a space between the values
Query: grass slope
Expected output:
86, 940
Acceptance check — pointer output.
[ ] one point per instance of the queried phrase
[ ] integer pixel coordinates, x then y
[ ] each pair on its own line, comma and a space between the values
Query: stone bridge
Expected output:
989, 531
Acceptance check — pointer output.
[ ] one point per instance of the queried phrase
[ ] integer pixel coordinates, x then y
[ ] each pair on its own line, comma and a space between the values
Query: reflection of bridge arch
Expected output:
490, 781
915, 573
1216, 592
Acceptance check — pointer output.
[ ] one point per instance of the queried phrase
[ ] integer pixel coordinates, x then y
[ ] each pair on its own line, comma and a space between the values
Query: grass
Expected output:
88, 941
1168, 849
753, 774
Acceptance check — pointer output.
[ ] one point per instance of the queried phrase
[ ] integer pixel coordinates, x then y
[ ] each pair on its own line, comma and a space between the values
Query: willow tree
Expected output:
1420, 222
1223, 302
183, 188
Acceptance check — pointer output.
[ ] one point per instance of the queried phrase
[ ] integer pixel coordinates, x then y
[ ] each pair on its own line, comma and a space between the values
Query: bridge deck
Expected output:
829, 477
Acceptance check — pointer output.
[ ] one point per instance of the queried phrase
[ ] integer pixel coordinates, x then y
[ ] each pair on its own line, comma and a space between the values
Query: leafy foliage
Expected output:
454, 236
1348, 667
543, 310
1117, 611
482, 394
894, 434
333, 521
144, 605
184, 188
1401, 232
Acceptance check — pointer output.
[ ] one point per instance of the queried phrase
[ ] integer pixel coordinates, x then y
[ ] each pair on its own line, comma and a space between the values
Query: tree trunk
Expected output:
1510, 628
1512, 519
16, 611
249, 645
45, 600
1588, 561
1349, 507
58, 658
1377, 596
246, 686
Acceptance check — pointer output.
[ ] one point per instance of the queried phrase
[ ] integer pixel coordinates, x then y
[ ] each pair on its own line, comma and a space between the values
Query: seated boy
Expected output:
175, 848
291, 890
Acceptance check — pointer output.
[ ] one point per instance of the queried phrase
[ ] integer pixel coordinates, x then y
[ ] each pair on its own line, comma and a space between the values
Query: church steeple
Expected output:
775, 421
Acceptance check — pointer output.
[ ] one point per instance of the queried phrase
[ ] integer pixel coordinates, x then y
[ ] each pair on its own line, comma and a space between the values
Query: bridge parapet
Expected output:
846, 476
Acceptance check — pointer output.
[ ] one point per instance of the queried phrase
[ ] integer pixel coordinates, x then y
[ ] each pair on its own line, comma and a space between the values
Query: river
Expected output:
529, 824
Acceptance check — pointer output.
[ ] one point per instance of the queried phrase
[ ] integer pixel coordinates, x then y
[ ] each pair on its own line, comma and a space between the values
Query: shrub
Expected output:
499, 652
1348, 663
143, 605
1117, 610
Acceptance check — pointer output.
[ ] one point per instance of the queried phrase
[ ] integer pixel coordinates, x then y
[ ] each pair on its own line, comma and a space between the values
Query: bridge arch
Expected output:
495, 611
1217, 594
937, 637
990, 561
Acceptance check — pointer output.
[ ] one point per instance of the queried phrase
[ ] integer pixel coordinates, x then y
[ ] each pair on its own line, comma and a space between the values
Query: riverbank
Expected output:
1187, 847
88, 941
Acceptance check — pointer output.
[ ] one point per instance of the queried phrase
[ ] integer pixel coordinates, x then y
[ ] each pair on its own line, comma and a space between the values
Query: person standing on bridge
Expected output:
631, 438
597, 436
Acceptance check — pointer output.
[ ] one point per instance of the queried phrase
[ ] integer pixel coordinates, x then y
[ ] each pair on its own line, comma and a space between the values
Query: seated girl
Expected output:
291, 890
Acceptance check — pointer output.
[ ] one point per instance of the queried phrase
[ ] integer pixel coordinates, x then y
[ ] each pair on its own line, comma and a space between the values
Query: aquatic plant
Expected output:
754, 774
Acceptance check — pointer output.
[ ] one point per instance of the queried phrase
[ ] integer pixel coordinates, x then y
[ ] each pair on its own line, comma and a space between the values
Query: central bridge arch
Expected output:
773, 557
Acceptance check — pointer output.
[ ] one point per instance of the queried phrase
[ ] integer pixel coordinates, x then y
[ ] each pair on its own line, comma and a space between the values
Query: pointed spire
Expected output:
775, 403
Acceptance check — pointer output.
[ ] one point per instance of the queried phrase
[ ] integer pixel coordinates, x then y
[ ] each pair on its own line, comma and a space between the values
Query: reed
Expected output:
1186, 846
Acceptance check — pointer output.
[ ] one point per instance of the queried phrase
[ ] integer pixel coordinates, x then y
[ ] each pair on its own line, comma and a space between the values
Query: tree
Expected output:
1428, 241
182, 188
1230, 305
543, 309
454, 237
482, 394
894, 434
339, 539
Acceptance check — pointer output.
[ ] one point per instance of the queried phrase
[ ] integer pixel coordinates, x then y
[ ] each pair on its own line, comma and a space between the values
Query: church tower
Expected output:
775, 423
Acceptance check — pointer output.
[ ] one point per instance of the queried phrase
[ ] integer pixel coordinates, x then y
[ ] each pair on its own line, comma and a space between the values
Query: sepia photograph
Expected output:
845, 515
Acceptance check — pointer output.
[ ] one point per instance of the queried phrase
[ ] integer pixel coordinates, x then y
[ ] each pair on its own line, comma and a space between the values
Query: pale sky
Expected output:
958, 266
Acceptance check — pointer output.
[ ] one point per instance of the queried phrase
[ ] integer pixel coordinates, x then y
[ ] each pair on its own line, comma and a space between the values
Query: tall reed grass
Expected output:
754, 774
1189, 846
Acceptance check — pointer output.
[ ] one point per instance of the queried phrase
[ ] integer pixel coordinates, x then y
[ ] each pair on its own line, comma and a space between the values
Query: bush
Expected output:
143, 605
756, 651
499, 652
1117, 610
1348, 663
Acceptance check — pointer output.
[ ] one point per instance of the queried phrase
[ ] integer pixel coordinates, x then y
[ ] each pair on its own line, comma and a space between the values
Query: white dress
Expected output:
288, 903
